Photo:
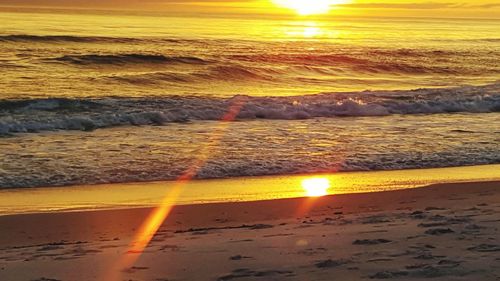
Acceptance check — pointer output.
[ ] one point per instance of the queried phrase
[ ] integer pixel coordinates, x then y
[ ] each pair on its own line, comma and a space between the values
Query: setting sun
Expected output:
308, 7
316, 187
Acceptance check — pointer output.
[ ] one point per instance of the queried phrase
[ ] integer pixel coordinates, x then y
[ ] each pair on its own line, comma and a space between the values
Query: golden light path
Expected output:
309, 7
316, 187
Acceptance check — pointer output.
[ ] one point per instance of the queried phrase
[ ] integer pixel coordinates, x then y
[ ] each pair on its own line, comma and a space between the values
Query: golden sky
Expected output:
405, 8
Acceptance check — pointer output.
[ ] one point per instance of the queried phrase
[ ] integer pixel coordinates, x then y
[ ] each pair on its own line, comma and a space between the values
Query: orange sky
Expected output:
408, 8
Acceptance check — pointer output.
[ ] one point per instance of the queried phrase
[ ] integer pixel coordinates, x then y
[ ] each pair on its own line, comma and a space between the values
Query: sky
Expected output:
403, 8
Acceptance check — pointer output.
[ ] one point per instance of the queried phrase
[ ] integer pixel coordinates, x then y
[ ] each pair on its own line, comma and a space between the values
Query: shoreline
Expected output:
147, 194
442, 230
264, 201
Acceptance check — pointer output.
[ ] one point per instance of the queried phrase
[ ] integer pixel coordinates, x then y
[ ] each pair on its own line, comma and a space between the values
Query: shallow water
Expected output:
249, 148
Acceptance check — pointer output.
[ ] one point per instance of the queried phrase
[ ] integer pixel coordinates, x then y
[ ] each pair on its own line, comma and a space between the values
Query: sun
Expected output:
316, 187
309, 7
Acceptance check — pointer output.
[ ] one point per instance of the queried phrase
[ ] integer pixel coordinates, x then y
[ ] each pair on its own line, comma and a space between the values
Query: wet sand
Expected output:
147, 194
443, 231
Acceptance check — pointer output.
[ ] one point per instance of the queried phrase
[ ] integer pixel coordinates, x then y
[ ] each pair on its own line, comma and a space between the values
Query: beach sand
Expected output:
443, 231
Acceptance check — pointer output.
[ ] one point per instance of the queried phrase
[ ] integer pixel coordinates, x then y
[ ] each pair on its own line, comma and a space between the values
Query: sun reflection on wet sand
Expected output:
146, 194
316, 187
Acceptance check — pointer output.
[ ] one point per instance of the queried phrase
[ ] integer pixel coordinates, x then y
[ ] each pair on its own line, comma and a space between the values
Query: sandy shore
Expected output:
446, 232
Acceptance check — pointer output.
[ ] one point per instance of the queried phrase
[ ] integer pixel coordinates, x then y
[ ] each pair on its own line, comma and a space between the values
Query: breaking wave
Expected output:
35, 115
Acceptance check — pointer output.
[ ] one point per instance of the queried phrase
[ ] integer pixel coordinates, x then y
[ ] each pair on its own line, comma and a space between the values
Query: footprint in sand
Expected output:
241, 241
245, 272
278, 235
485, 248
432, 224
311, 251
371, 241
380, 260
329, 263
424, 271
439, 231
375, 219
434, 209
49, 248
389, 274
238, 257
428, 256
418, 215
134, 269
173, 248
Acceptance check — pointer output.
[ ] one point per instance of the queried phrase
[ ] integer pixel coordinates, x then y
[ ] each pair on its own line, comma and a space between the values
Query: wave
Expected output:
151, 78
35, 115
121, 172
491, 40
64, 38
236, 72
109, 39
133, 58
477, 40
58, 39
80, 39
331, 61
214, 73
248, 74
370, 62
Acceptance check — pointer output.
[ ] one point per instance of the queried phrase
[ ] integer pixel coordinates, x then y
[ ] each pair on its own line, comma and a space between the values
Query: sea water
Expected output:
104, 97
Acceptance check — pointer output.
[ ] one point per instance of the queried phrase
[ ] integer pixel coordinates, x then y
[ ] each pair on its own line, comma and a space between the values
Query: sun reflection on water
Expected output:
310, 30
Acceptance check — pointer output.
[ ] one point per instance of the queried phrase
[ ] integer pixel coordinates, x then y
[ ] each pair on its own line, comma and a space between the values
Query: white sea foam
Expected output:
21, 116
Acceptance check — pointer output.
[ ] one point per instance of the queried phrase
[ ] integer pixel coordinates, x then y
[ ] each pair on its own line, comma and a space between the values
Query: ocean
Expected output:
105, 97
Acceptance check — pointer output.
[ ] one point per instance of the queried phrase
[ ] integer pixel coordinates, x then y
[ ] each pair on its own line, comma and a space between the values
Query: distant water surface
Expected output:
91, 55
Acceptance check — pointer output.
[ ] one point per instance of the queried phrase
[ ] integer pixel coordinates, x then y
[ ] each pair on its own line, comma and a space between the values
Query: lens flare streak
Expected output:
156, 218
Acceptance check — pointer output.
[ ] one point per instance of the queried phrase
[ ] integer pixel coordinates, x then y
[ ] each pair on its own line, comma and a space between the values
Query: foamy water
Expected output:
88, 99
